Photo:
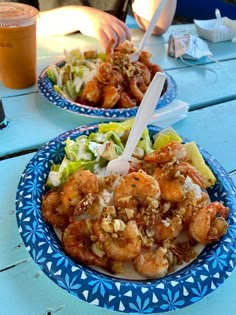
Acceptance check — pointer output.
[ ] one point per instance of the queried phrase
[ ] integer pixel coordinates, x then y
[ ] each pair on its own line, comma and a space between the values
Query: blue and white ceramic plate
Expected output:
177, 290
47, 90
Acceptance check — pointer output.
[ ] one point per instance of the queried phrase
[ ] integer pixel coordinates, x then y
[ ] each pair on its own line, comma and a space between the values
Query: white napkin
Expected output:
170, 114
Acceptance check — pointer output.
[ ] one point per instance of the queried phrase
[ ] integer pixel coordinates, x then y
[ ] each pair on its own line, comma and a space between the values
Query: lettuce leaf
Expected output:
94, 151
118, 127
122, 129
52, 73
59, 173
80, 149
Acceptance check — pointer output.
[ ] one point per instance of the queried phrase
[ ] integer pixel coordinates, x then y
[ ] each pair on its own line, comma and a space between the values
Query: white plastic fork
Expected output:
151, 97
134, 56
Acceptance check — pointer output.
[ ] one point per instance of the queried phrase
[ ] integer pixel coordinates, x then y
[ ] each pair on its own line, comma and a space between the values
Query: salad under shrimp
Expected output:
152, 218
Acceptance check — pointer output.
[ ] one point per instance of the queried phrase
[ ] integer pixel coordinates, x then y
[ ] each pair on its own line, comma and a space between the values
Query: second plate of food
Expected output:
102, 85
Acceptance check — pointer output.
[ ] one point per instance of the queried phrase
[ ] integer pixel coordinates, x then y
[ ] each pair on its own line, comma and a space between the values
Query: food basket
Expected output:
214, 31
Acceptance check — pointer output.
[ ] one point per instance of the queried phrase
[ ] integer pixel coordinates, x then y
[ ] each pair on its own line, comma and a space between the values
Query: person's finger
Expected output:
125, 29
106, 35
112, 34
116, 30
120, 33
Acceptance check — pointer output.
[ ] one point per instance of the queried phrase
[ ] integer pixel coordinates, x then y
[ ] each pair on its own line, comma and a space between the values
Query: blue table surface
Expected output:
33, 121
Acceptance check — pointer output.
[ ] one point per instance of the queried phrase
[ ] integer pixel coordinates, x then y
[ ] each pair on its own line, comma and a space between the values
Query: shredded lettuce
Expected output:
80, 149
59, 91
145, 142
73, 55
94, 151
69, 79
102, 56
52, 73
59, 173
122, 129
70, 90
119, 127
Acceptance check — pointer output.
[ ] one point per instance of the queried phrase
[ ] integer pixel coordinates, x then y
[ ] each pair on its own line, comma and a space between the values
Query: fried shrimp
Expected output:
110, 97
116, 79
190, 205
123, 245
126, 101
144, 72
136, 188
104, 73
52, 210
145, 58
173, 151
79, 191
110, 49
138, 87
135, 88
152, 264
77, 243
176, 180
168, 229
185, 169
209, 224
126, 47
91, 91
140, 81
172, 189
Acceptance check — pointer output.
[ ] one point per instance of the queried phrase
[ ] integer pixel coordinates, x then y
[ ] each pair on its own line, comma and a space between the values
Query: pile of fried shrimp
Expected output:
107, 221
119, 83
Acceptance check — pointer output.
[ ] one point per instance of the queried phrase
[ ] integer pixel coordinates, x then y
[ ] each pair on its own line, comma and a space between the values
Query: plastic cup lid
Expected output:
17, 14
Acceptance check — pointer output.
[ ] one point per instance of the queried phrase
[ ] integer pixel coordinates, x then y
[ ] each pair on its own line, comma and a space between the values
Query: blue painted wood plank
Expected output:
45, 121
11, 244
34, 293
200, 87
37, 122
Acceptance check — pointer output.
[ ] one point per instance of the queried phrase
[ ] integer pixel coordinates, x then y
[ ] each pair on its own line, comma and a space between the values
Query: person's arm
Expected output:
89, 21
143, 13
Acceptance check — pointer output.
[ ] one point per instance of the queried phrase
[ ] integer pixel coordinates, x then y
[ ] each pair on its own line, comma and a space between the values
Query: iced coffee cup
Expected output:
17, 45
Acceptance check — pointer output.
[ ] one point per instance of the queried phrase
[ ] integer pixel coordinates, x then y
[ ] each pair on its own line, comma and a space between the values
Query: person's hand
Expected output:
103, 26
89, 21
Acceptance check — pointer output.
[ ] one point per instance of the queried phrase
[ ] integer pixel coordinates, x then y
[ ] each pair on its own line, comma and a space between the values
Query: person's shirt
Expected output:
33, 3
118, 8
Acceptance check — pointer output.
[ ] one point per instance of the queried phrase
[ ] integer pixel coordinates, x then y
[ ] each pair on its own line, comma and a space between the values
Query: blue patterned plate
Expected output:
46, 89
177, 290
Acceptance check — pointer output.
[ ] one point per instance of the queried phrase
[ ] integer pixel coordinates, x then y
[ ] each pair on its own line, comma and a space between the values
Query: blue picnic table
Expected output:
33, 121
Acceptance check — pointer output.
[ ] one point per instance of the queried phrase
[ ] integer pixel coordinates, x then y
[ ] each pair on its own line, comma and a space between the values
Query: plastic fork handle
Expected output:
144, 113
152, 24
